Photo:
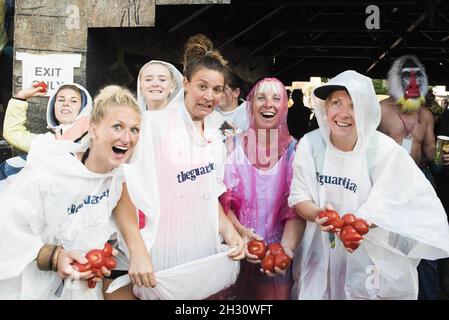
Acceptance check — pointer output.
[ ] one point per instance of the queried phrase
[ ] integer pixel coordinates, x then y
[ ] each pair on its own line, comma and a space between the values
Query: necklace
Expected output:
407, 129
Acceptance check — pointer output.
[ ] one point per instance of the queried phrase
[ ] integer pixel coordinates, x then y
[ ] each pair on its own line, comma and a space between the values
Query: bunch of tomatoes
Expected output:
272, 255
96, 259
351, 228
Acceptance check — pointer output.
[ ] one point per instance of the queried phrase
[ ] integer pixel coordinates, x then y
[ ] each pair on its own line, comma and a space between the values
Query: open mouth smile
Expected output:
120, 150
342, 124
268, 114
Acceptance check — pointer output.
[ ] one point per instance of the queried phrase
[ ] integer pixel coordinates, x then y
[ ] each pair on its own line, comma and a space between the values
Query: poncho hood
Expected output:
366, 106
174, 96
85, 110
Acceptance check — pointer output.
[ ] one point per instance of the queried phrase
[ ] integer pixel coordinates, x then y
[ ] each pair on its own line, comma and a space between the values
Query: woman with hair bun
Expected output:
184, 235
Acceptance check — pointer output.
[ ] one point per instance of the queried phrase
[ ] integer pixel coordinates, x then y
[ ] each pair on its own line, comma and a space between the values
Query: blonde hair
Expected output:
112, 96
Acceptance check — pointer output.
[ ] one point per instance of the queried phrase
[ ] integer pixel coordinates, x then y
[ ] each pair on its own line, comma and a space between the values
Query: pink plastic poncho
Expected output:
259, 198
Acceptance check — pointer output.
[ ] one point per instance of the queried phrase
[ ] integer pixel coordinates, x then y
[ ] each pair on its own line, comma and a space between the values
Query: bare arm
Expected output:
293, 232
230, 234
307, 210
140, 266
244, 232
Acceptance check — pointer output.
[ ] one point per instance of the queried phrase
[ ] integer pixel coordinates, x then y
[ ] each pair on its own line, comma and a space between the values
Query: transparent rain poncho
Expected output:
258, 196
377, 181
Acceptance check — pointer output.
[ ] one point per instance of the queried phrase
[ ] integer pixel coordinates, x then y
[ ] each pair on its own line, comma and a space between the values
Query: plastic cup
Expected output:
441, 148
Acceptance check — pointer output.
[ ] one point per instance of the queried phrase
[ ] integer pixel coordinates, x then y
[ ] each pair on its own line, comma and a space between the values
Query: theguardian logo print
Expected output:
339, 181
192, 174
91, 199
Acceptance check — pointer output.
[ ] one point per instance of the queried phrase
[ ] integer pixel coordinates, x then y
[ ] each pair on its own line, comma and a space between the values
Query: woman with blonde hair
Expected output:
63, 203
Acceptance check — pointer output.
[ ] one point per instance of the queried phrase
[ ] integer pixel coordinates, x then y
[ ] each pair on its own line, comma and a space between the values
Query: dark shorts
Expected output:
116, 273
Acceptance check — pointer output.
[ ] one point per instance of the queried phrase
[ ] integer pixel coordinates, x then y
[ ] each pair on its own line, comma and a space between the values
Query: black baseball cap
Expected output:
325, 90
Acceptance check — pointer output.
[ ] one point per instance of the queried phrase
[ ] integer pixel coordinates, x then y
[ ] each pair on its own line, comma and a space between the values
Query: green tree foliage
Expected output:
380, 86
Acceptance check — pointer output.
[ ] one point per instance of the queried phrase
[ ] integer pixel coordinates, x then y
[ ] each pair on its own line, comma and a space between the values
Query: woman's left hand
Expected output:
141, 269
370, 225
445, 159
235, 242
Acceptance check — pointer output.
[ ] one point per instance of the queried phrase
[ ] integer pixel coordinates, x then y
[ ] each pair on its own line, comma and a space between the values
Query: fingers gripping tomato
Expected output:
282, 261
97, 258
333, 219
268, 263
258, 248
41, 84
353, 231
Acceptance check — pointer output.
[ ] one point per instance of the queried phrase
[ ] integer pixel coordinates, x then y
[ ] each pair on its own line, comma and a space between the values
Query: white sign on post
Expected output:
53, 69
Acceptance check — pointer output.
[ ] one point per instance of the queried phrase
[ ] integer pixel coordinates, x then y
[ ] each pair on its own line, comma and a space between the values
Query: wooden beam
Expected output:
186, 2
190, 18
265, 17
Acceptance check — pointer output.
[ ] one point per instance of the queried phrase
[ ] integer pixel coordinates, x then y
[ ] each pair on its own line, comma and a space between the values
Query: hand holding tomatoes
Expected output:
352, 232
256, 250
350, 228
329, 220
277, 260
33, 91
42, 85
99, 261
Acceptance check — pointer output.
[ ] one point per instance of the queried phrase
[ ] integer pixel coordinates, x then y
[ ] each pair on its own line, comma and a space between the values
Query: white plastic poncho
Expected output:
238, 118
175, 98
377, 181
55, 199
76, 131
190, 180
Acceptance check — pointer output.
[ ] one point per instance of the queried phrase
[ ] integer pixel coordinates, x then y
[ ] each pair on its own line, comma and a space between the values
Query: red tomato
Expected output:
91, 283
41, 84
323, 214
275, 248
332, 214
268, 263
282, 261
347, 229
361, 226
351, 245
96, 258
110, 263
81, 267
349, 219
351, 237
258, 248
333, 218
107, 250
337, 223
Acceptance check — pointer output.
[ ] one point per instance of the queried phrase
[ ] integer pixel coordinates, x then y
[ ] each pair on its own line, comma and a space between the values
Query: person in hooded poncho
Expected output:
68, 115
258, 173
347, 165
184, 234
62, 202
159, 86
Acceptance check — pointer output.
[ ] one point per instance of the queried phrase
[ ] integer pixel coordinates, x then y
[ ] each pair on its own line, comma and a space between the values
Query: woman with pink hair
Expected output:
257, 176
